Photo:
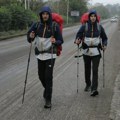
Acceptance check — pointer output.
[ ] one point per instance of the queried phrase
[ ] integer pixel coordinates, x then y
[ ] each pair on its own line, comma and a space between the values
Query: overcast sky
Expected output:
102, 1
105, 1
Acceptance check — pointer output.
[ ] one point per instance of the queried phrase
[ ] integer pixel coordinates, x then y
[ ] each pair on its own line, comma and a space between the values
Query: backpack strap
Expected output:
37, 27
54, 25
86, 27
99, 28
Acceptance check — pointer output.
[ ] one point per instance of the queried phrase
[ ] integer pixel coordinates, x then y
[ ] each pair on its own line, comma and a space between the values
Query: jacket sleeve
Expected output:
103, 36
32, 28
80, 33
58, 36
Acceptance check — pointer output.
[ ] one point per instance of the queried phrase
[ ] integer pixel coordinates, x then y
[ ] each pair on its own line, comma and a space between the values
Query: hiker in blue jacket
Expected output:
46, 40
93, 39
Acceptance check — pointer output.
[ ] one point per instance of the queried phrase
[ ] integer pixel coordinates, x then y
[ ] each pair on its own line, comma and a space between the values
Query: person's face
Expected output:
45, 16
93, 18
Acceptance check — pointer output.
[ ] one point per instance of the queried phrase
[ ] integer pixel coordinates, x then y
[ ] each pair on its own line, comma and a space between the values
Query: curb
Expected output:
115, 104
11, 36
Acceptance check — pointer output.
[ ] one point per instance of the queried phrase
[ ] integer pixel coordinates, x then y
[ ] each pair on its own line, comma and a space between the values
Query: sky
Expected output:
102, 1
105, 1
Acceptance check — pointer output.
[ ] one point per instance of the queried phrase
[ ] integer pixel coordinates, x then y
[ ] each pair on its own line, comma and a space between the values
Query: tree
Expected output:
113, 9
61, 7
102, 11
81, 7
36, 5
5, 19
8, 2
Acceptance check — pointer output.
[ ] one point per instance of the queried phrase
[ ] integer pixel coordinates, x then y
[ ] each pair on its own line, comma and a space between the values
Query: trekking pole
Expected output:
78, 56
52, 55
103, 70
77, 67
27, 73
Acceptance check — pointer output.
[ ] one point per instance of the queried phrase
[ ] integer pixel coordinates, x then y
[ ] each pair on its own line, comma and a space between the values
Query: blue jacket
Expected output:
96, 33
39, 27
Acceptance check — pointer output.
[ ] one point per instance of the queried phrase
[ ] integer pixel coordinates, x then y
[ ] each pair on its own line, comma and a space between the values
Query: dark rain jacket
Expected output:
39, 28
96, 32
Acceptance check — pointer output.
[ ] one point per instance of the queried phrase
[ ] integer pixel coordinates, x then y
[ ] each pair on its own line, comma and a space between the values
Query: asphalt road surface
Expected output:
67, 104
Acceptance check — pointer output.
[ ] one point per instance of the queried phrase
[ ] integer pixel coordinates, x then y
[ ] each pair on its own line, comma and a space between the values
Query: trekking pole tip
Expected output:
22, 101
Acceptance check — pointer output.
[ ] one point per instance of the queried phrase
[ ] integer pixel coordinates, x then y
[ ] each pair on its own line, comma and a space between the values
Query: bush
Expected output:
15, 17
5, 19
31, 17
21, 18
18, 17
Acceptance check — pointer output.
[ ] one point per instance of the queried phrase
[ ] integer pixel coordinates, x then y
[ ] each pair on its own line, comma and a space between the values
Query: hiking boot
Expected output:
87, 88
48, 104
94, 93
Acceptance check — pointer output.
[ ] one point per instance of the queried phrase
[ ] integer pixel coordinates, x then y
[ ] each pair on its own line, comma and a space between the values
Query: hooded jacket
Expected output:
39, 28
92, 26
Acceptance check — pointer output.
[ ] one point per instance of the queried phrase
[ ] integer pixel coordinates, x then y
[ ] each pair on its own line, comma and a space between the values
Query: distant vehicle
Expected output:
114, 19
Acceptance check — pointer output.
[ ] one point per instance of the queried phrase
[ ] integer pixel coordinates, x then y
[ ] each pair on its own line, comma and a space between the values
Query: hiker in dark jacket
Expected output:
93, 38
46, 40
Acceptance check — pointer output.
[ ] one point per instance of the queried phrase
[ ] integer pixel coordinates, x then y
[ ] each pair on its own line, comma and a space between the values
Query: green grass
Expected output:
11, 34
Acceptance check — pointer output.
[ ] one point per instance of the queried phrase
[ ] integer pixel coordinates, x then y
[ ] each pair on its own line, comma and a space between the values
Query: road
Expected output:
67, 104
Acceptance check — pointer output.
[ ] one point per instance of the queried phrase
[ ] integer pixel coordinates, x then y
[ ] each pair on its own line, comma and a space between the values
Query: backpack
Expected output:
84, 18
59, 20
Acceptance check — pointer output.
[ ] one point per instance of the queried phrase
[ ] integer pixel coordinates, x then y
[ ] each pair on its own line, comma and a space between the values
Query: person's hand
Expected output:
32, 35
77, 41
52, 40
104, 47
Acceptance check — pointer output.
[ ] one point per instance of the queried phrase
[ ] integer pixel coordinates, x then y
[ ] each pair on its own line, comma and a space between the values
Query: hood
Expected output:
92, 12
46, 9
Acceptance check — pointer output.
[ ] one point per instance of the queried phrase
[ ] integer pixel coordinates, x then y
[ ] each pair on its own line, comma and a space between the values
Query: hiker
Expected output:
93, 39
45, 50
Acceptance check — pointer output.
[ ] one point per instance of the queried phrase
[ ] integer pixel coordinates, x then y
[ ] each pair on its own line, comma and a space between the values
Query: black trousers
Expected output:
45, 73
94, 62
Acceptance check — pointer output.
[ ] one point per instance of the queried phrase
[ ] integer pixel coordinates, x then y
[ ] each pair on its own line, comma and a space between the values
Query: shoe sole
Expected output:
94, 94
87, 90
48, 107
